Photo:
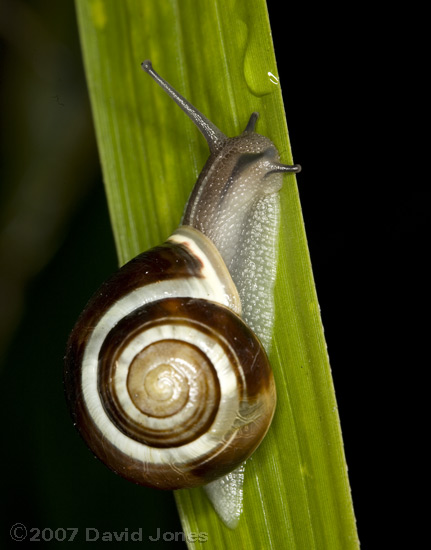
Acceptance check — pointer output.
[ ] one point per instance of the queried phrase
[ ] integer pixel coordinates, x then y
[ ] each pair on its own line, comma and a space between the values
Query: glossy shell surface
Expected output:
166, 383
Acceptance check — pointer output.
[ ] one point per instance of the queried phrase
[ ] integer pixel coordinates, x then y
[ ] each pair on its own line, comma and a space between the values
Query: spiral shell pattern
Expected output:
167, 384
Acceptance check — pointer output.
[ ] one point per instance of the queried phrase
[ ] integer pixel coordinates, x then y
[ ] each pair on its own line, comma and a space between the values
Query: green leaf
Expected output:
219, 55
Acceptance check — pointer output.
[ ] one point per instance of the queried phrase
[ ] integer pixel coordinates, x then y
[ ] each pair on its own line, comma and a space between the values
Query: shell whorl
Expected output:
168, 385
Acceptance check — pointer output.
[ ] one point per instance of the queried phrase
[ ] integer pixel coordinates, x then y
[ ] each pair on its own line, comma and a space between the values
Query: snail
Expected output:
165, 377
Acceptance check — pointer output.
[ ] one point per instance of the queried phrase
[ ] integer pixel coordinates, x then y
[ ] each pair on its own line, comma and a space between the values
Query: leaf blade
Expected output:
296, 487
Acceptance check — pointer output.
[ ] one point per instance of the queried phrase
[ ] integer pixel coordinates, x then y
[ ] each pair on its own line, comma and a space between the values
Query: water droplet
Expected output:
259, 82
257, 61
273, 78
98, 14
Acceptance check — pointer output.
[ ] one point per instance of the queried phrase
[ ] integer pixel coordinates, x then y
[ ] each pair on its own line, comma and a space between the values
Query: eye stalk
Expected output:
215, 137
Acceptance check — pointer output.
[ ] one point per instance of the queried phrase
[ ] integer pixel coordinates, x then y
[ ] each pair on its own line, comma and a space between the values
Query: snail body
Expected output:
165, 377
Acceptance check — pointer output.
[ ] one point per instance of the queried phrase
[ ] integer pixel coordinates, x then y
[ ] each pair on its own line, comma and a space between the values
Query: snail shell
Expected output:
167, 383
168, 388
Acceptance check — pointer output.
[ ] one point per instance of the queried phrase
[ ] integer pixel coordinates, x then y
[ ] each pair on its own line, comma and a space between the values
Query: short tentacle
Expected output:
251, 124
278, 167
